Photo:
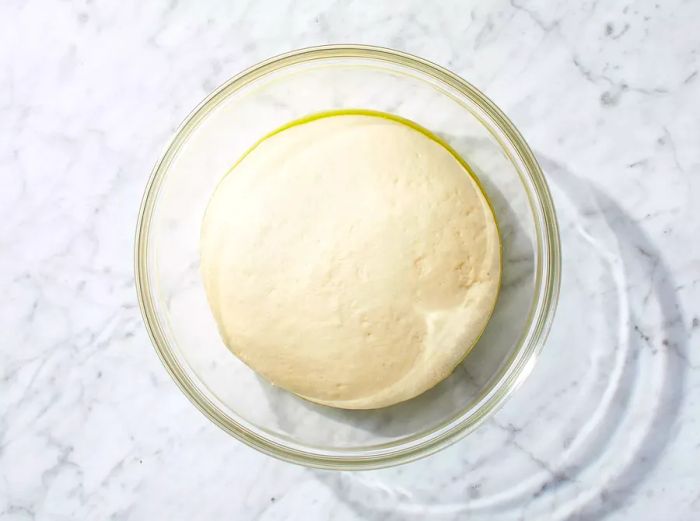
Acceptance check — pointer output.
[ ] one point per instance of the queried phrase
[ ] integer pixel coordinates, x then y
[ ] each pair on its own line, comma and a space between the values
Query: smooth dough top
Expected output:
351, 260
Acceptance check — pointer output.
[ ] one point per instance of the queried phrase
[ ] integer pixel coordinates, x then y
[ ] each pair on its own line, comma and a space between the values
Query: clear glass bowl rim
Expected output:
547, 272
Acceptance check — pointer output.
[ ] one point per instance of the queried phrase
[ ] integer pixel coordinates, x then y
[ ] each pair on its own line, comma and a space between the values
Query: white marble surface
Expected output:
92, 427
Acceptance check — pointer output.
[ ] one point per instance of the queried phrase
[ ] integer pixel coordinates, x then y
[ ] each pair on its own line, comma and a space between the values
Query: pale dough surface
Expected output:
351, 260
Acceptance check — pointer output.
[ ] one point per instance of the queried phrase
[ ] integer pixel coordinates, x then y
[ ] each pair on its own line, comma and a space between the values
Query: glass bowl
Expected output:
230, 121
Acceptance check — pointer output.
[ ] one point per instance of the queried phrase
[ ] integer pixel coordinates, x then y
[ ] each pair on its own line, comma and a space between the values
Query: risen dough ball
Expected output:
351, 260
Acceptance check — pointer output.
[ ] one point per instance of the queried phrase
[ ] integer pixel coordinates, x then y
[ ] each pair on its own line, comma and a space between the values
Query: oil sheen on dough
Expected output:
350, 259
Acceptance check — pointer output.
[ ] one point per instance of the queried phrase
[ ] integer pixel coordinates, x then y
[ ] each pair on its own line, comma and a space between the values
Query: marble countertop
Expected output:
607, 426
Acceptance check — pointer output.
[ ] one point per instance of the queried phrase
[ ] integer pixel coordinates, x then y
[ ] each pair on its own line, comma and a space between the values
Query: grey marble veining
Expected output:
607, 426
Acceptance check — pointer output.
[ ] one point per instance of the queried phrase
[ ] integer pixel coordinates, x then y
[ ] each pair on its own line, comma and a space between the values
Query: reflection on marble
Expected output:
606, 427
601, 404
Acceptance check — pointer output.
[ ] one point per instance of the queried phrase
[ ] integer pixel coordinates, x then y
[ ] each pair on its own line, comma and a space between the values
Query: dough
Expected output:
350, 259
